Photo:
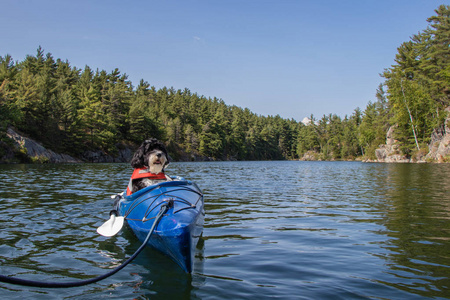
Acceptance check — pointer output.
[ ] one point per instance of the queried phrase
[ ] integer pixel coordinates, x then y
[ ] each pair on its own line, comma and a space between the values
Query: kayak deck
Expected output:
179, 229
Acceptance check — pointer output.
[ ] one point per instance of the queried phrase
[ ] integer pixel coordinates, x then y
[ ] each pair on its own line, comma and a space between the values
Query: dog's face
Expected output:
157, 160
152, 154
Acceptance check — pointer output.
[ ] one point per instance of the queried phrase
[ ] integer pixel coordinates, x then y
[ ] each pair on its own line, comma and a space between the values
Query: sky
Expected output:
291, 58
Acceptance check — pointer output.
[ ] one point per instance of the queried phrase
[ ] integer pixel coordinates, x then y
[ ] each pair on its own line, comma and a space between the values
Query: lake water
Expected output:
288, 230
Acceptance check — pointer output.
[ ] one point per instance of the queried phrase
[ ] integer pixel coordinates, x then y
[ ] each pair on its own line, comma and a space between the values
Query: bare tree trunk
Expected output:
410, 116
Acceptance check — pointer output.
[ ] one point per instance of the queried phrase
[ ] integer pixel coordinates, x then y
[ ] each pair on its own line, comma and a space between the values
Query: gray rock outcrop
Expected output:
389, 152
38, 152
440, 142
439, 147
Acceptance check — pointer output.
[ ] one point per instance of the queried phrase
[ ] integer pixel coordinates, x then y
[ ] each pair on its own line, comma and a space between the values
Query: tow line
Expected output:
13, 280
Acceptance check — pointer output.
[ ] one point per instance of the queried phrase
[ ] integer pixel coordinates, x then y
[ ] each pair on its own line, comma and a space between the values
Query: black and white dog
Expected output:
149, 162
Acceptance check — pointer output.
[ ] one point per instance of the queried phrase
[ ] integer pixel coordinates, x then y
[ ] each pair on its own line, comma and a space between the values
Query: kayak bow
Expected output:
179, 229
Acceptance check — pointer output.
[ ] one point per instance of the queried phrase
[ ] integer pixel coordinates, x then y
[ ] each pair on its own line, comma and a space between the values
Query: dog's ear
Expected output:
138, 158
166, 163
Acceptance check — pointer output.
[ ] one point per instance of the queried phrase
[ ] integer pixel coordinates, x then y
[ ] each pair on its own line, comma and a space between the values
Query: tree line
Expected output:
73, 110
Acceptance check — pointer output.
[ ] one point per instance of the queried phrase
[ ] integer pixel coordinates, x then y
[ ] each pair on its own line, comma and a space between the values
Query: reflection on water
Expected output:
418, 227
303, 230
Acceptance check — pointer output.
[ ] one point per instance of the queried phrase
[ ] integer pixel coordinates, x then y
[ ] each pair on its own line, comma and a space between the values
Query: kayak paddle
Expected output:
112, 226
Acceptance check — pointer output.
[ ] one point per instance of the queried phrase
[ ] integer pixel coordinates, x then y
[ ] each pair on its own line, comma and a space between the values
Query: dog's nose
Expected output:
158, 155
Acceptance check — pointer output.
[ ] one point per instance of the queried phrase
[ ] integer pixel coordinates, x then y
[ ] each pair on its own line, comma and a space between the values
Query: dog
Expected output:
148, 162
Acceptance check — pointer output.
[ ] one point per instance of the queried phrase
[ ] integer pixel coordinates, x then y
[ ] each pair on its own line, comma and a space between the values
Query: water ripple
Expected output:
302, 230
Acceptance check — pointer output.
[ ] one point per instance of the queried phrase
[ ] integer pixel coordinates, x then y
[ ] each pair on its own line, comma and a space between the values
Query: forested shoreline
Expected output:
71, 110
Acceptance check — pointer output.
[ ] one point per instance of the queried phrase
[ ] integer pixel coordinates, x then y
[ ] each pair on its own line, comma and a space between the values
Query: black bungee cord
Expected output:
13, 280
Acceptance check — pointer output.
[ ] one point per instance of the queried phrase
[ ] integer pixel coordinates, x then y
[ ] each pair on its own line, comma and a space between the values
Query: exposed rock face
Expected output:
37, 151
390, 152
440, 142
439, 147
310, 156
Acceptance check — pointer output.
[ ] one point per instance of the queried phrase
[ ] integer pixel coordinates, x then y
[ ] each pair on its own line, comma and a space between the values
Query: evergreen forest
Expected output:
71, 110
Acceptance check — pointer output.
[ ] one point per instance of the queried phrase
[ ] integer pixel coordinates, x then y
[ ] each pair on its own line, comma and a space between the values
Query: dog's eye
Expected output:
155, 152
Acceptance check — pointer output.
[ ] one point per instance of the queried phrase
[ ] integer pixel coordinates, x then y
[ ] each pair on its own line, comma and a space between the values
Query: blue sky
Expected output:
285, 57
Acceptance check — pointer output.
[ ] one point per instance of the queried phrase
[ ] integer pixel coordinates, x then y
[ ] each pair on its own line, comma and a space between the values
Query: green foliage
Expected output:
73, 110
419, 85
9, 110
374, 124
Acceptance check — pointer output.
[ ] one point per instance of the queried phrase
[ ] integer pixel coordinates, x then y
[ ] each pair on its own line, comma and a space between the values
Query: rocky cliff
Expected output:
440, 142
38, 153
439, 147
389, 152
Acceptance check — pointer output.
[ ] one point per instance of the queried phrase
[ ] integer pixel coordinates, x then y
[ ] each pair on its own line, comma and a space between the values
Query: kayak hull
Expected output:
179, 229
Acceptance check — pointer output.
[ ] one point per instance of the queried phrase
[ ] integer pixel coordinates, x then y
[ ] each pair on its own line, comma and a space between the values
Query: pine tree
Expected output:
417, 84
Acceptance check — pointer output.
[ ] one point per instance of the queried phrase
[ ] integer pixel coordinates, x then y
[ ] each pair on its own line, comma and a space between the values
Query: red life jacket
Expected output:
143, 173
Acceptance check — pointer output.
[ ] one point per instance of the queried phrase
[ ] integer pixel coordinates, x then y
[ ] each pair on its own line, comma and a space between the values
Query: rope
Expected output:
13, 280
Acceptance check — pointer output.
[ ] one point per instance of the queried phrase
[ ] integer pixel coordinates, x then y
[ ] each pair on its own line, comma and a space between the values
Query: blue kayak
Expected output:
179, 229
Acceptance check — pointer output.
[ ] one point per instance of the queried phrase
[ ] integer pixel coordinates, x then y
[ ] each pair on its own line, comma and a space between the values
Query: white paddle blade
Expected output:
112, 226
